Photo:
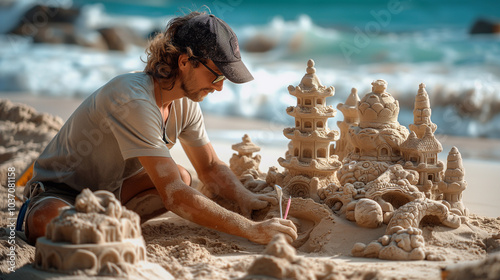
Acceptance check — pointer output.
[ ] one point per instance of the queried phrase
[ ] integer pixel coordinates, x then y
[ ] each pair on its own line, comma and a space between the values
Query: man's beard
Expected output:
194, 95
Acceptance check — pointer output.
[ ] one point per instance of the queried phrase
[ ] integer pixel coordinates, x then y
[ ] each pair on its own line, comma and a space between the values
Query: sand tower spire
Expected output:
351, 118
454, 184
422, 113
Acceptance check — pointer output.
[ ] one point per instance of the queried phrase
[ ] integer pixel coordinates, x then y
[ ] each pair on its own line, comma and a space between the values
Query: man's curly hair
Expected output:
163, 54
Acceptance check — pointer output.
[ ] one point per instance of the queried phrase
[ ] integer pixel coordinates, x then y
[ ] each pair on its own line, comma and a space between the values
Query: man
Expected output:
119, 138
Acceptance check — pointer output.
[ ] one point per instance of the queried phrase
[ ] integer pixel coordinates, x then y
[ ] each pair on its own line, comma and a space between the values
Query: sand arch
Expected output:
396, 198
412, 213
129, 256
39, 257
52, 261
81, 260
110, 255
338, 199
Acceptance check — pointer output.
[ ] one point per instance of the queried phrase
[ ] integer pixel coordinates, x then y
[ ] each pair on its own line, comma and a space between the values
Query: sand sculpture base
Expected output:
141, 270
90, 259
96, 237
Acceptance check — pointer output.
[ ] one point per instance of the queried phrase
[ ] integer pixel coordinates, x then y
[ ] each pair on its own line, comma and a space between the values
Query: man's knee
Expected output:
39, 216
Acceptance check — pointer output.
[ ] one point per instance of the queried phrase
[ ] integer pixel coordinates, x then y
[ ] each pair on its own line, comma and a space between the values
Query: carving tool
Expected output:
279, 191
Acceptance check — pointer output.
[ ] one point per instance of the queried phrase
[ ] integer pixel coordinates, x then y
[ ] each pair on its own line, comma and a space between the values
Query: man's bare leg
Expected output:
140, 195
39, 216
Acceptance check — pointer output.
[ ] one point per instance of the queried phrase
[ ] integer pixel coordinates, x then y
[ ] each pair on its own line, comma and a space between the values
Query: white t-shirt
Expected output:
97, 148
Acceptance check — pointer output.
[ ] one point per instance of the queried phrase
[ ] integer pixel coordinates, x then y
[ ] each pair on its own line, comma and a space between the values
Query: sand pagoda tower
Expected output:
454, 184
309, 163
351, 118
421, 149
245, 162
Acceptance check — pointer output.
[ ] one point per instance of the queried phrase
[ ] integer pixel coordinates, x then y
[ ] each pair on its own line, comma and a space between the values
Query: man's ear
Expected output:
183, 62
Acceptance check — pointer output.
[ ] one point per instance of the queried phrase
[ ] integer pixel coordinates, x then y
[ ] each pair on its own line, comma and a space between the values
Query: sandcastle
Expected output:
374, 172
96, 237
310, 163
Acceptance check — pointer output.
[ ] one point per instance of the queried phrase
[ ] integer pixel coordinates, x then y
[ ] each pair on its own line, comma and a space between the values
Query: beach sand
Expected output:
189, 251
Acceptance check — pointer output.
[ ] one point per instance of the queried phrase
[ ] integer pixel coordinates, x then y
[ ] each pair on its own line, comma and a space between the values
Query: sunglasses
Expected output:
218, 77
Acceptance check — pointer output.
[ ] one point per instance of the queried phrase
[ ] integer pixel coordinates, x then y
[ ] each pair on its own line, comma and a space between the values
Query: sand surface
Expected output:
189, 251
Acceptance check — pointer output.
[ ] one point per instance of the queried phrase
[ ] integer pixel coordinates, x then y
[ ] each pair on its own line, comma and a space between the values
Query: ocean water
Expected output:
352, 42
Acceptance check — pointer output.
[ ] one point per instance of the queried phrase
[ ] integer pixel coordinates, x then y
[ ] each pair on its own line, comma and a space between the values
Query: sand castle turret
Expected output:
309, 154
246, 147
421, 149
244, 161
351, 118
454, 184
422, 113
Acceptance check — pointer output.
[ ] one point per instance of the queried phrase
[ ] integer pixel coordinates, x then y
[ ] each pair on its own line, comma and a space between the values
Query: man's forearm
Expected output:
222, 182
192, 205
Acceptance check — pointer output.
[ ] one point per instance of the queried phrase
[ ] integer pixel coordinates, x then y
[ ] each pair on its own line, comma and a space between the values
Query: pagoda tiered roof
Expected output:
311, 112
319, 91
316, 135
310, 85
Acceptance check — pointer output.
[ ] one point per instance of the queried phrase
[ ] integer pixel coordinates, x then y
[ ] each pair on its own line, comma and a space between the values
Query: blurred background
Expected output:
66, 49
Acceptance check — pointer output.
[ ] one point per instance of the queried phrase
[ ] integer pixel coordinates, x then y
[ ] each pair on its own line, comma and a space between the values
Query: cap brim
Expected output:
235, 71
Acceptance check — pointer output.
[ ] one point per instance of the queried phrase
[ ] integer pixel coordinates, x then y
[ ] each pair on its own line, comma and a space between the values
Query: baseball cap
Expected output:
211, 38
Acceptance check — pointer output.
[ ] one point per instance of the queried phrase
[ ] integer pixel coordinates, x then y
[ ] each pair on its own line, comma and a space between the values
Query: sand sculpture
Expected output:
95, 237
280, 261
310, 163
244, 162
374, 172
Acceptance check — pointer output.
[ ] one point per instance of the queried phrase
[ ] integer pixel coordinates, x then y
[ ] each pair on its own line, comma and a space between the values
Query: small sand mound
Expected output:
24, 135
24, 253
280, 261
487, 269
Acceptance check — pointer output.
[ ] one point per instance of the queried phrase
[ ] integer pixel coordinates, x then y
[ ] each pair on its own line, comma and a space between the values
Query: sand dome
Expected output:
378, 107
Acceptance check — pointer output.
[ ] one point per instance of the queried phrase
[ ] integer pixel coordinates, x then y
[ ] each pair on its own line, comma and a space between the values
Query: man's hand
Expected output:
263, 232
253, 202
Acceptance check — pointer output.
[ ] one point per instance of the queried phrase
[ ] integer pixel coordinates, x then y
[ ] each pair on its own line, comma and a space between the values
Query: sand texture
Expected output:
25, 133
324, 249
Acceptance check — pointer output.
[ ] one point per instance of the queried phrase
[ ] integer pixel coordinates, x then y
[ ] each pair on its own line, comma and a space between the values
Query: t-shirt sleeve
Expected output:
137, 129
194, 133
